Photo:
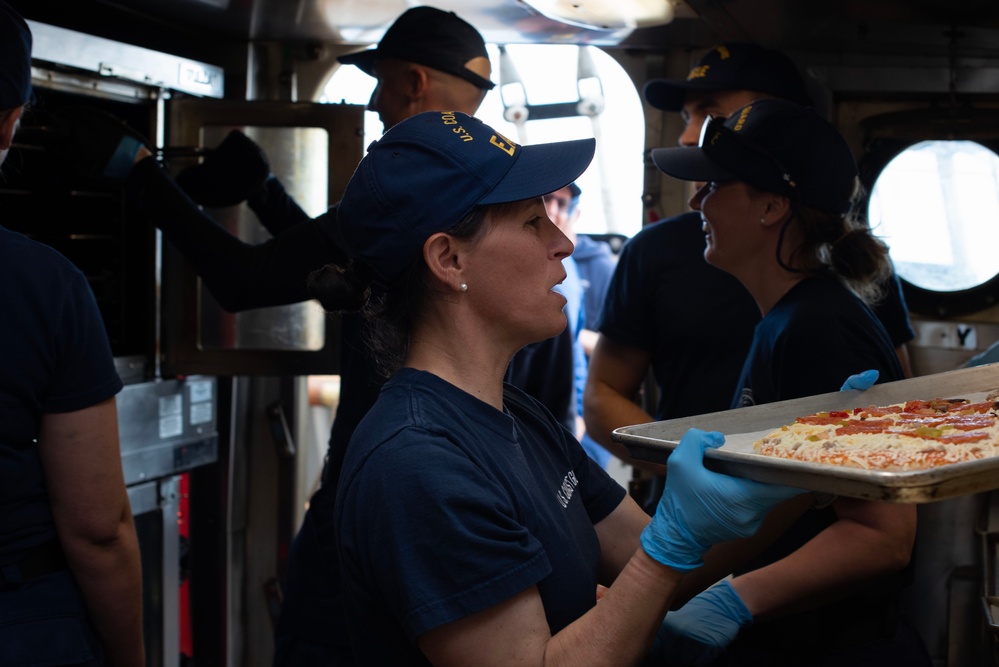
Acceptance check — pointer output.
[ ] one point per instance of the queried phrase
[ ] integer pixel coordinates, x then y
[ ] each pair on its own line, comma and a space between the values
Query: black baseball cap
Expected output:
431, 37
733, 66
428, 172
775, 145
15, 54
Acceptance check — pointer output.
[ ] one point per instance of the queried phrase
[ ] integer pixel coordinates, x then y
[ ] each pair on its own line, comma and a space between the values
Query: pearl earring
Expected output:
463, 287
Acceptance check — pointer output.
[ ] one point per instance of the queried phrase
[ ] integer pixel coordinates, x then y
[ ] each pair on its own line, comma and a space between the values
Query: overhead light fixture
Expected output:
605, 14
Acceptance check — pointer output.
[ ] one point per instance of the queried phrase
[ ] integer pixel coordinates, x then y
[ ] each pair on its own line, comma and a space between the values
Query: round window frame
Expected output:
879, 151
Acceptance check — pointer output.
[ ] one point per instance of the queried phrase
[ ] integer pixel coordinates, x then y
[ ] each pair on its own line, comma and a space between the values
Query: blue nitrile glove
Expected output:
123, 158
862, 381
697, 633
699, 507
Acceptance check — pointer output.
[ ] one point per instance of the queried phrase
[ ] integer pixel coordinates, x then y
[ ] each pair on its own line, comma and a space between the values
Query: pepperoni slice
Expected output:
960, 422
972, 423
874, 411
971, 407
953, 438
822, 418
957, 438
934, 405
920, 420
866, 426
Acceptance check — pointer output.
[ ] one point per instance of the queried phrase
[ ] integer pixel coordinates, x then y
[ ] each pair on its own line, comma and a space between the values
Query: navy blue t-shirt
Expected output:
55, 357
695, 320
893, 312
814, 338
447, 506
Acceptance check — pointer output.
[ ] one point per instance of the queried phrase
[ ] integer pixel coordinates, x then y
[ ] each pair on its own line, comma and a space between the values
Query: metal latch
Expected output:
283, 440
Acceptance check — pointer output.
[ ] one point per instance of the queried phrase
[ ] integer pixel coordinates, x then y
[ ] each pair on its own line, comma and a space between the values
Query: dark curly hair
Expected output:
844, 245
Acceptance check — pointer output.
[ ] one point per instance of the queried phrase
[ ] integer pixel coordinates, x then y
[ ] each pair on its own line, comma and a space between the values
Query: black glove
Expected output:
96, 144
232, 172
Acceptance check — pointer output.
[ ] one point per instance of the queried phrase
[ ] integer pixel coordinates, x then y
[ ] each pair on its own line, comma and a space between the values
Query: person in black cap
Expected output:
422, 54
472, 529
428, 59
732, 67
778, 202
70, 580
661, 273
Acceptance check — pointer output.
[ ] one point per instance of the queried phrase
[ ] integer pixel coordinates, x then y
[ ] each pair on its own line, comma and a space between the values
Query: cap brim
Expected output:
669, 95
542, 169
363, 60
689, 164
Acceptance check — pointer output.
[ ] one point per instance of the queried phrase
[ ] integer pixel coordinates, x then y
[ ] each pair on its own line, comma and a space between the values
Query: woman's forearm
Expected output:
82, 460
109, 574
621, 627
869, 540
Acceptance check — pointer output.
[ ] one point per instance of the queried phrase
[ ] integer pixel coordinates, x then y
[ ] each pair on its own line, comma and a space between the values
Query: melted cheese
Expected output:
903, 445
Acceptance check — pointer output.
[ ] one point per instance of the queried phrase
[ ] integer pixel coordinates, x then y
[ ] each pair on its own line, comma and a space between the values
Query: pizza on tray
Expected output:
916, 435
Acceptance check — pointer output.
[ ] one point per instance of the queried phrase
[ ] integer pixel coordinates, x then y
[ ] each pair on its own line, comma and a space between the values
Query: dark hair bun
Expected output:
340, 289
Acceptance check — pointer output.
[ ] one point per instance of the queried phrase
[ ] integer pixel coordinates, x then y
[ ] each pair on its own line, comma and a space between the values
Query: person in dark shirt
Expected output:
70, 572
472, 528
778, 199
669, 310
428, 60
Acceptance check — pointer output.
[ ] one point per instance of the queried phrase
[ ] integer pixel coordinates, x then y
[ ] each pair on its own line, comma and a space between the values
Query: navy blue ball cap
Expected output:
431, 37
776, 146
427, 173
15, 54
733, 66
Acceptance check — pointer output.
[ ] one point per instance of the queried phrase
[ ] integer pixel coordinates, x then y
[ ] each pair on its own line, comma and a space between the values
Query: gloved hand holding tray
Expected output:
742, 427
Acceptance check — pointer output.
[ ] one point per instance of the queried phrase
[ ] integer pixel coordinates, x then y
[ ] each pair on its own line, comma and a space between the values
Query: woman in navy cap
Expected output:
70, 585
473, 528
778, 192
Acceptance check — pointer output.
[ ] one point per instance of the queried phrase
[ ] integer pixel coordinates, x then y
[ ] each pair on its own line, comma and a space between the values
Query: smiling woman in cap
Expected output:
778, 210
800, 175
472, 528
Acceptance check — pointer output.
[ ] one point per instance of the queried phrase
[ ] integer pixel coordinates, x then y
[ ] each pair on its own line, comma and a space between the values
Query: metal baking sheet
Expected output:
654, 441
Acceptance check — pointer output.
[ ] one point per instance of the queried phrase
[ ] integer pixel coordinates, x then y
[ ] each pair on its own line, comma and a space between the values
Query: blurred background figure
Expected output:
588, 273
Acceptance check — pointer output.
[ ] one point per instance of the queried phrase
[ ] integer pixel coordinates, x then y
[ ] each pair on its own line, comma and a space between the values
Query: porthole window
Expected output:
936, 204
